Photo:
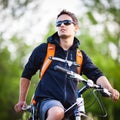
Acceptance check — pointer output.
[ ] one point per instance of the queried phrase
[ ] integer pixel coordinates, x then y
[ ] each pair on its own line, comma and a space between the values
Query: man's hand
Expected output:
115, 94
19, 105
24, 86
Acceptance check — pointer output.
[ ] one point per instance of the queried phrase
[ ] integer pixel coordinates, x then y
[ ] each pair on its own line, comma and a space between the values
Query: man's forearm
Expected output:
24, 87
103, 81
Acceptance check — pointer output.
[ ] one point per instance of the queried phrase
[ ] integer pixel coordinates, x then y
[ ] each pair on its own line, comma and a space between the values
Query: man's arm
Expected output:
24, 87
103, 81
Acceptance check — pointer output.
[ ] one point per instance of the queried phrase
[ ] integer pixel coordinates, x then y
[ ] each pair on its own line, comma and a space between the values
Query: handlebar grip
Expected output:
27, 108
61, 69
105, 93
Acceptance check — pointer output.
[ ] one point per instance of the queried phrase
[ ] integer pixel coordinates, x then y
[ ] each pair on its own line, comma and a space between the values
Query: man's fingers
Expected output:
18, 108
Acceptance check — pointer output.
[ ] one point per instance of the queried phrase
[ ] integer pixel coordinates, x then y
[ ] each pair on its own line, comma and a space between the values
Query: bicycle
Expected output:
78, 107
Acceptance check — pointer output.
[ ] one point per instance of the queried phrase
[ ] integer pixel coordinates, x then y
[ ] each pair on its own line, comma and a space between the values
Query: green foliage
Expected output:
50, 31
10, 71
19, 5
91, 18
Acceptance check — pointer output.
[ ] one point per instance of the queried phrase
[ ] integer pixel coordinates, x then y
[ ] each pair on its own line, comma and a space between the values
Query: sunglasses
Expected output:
65, 22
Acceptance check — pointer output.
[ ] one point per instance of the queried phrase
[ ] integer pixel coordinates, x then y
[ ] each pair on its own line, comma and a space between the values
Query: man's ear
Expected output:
76, 28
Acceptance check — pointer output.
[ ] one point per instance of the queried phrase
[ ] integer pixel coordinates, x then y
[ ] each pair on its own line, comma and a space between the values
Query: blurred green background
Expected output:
99, 36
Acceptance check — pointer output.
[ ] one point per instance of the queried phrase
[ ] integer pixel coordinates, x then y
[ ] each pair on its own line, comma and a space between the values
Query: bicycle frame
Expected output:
79, 104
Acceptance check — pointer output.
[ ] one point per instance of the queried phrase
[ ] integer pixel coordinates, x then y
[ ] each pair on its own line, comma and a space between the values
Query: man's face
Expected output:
65, 26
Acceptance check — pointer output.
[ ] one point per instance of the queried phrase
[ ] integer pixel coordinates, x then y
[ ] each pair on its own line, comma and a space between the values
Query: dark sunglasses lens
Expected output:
58, 24
67, 22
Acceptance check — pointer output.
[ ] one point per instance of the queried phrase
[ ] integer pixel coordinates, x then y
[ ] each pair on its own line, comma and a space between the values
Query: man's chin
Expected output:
63, 36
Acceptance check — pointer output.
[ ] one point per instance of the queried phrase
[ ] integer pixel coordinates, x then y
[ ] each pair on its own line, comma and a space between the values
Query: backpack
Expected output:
51, 52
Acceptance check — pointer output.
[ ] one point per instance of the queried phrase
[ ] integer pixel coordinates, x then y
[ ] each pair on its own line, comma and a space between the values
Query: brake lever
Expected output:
104, 92
27, 108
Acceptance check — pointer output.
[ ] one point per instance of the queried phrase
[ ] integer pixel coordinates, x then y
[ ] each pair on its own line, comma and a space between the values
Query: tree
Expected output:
103, 42
11, 66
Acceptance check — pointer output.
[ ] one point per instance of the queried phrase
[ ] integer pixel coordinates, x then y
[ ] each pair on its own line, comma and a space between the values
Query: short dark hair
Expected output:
72, 15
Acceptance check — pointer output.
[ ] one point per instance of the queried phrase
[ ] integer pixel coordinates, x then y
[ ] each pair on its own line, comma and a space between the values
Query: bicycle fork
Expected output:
80, 109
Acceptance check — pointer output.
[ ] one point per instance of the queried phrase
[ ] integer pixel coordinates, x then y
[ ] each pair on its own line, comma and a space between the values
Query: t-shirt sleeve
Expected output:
35, 61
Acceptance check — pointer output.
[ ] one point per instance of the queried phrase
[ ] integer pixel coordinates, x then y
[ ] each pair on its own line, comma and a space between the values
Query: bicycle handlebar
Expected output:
89, 83
70, 73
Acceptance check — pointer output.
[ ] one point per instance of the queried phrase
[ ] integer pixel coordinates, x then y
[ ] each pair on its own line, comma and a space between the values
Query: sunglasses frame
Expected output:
65, 22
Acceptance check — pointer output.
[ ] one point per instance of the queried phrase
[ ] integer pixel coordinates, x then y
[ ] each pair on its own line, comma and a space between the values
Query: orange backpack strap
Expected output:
51, 52
47, 61
79, 60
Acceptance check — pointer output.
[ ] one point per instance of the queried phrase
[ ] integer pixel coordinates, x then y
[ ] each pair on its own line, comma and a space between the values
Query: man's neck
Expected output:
66, 43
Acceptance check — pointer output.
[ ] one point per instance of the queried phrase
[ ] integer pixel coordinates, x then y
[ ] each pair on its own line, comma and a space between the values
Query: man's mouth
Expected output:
62, 30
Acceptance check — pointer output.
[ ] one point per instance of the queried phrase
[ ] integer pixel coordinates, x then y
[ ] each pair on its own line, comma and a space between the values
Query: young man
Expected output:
55, 92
